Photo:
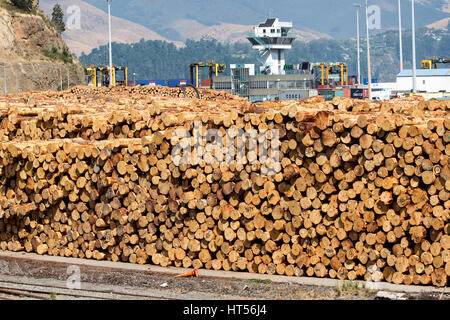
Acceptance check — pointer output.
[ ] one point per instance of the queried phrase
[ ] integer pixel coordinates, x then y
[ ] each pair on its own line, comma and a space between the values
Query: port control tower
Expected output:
272, 39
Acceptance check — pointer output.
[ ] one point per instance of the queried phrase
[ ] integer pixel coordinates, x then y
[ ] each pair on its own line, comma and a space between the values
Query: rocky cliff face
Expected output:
33, 53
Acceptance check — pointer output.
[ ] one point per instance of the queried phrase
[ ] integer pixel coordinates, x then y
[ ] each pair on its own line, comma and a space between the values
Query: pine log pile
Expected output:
160, 91
359, 194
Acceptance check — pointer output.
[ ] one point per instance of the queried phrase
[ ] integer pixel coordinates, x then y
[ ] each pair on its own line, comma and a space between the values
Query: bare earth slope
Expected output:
23, 39
93, 31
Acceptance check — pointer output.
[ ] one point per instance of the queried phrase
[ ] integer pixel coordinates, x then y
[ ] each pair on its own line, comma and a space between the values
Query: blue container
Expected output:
161, 83
373, 80
152, 82
142, 82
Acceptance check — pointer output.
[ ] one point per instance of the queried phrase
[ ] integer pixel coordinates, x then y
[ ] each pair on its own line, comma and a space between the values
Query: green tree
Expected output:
23, 4
58, 18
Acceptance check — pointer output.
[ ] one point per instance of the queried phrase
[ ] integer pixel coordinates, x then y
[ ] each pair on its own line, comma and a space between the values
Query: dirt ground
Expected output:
202, 288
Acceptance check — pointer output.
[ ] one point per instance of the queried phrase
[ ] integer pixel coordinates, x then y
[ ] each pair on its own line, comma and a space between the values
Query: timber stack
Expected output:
358, 190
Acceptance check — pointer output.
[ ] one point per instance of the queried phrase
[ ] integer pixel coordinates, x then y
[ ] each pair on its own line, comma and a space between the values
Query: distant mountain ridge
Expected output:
229, 21
336, 18
93, 30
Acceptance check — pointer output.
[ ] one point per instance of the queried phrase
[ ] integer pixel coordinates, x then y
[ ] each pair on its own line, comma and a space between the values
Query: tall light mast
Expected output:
400, 34
368, 53
357, 5
110, 45
413, 47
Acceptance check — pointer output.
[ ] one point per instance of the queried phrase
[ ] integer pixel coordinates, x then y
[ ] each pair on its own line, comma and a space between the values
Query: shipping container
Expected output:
347, 92
373, 80
339, 93
174, 82
357, 93
205, 83
152, 82
294, 94
352, 80
327, 94
313, 92
324, 86
366, 93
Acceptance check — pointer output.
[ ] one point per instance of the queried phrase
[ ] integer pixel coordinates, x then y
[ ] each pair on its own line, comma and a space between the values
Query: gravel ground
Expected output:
202, 288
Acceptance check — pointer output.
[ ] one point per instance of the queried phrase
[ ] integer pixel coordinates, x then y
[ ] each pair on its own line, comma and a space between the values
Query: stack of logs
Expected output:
358, 195
155, 91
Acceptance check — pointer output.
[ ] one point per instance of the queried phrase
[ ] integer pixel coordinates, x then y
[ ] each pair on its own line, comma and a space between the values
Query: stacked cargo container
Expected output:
172, 83
152, 83
356, 93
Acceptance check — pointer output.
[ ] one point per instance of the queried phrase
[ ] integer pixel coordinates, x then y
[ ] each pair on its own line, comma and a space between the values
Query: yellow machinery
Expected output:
214, 68
432, 63
328, 70
99, 76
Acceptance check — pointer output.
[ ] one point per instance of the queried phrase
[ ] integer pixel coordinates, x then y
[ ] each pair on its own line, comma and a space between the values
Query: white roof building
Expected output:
427, 80
272, 39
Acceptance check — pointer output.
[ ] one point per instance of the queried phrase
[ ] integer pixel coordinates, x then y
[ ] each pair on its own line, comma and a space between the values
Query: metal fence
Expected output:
15, 80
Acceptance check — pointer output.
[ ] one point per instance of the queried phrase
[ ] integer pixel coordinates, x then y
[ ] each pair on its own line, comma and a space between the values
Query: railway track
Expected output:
13, 290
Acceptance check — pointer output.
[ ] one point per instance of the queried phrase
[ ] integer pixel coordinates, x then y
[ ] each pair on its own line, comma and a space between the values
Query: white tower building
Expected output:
272, 39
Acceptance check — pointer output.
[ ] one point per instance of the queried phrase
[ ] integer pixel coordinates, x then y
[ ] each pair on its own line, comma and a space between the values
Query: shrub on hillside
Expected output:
23, 4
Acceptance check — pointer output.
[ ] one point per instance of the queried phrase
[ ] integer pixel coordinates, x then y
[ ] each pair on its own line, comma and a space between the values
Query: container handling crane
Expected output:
214, 69
99, 76
337, 71
433, 62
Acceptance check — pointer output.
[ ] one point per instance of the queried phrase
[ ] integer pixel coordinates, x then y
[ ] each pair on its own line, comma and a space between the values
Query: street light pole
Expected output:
368, 53
110, 45
357, 39
400, 34
413, 47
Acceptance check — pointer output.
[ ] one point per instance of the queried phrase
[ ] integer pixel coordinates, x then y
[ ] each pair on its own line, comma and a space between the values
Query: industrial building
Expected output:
427, 80
274, 79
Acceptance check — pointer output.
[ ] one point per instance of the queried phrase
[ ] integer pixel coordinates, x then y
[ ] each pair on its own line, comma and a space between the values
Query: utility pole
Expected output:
413, 47
357, 5
110, 45
368, 53
400, 34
